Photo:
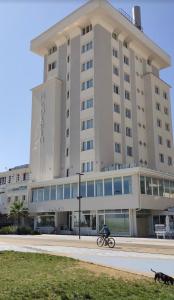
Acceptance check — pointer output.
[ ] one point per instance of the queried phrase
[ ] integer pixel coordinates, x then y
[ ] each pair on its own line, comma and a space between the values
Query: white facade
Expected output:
102, 110
14, 186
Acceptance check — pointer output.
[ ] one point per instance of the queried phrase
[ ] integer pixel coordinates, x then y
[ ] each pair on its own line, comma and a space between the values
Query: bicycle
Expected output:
103, 241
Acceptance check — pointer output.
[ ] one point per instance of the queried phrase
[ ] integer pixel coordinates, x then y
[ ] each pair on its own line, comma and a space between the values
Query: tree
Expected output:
17, 210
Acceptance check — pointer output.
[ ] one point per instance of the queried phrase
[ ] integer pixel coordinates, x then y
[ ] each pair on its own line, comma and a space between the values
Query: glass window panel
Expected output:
90, 188
40, 194
172, 189
66, 191
117, 186
142, 184
53, 192
83, 189
127, 184
148, 186
155, 186
59, 192
161, 187
98, 188
108, 187
117, 223
45, 221
46, 193
74, 190
34, 195
167, 188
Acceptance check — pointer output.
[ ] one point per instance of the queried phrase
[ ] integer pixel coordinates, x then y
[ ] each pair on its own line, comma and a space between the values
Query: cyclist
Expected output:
105, 232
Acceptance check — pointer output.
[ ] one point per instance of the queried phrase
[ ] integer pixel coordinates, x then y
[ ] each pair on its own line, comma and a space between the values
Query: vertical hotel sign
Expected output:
42, 123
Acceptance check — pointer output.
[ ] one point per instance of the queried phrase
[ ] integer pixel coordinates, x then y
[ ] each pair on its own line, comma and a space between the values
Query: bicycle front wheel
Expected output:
100, 241
111, 242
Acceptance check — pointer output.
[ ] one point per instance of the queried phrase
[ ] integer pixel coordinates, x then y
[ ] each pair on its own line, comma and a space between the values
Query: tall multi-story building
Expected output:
103, 110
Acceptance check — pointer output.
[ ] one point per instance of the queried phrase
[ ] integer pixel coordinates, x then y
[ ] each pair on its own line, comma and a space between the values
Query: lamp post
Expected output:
79, 197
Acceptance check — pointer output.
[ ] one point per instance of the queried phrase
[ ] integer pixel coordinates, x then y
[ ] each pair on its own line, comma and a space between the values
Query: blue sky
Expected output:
21, 21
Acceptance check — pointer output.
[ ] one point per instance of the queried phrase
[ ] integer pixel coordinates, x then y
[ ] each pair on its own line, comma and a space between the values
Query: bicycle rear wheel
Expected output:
100, 241
111, 242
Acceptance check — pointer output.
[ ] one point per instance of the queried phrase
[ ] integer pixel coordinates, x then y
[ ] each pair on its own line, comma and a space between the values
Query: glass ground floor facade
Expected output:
91, 221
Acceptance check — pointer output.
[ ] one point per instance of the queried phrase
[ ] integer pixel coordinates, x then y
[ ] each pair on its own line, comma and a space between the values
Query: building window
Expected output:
117, 186
170, 163
116, 108
116, 89
115, 71
87, 104
127, 95
160, 140
67, 152
52, 50
159, 123
108, 187
165, 95
87, 84
87, 145
67, 76
99, 188
87, 166
114, 36
117, 127
161, 157
126, 77
128, 131
167, 126
166, 111
74, 190
67, 132
86, 66
114, 52
67, 95
90, 188
86, 29
68, 59
157, 90
52, 66
127, 183
126, 60
128, 113
87, 47
59, 192
168, 142
117, 148
158, 107
67, 191
87, 124
129, 151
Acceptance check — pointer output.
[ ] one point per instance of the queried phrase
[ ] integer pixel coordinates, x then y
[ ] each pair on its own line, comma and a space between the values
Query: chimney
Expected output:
136, 14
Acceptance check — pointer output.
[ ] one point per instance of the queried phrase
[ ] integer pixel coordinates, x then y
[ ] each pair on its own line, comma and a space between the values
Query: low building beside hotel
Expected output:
102, 110
13, 187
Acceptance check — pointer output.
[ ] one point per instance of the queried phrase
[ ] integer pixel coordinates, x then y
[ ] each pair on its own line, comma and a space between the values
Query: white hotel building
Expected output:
103, 110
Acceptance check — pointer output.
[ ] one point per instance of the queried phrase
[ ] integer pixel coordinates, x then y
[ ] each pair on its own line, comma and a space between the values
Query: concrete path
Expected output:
133, 261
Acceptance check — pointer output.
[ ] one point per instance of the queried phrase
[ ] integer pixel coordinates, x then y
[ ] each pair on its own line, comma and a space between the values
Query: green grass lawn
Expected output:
41, 276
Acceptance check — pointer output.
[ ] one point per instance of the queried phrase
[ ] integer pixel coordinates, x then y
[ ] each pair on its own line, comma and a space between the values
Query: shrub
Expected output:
24, 230
8, 230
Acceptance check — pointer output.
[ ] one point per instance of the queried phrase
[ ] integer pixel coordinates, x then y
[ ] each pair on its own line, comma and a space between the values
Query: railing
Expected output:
129, 18
122, 166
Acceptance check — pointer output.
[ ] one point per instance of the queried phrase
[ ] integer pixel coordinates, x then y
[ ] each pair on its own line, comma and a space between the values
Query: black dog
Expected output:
159, 276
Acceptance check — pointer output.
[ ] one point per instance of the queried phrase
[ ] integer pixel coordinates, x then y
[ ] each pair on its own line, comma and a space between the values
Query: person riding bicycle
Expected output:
105, 232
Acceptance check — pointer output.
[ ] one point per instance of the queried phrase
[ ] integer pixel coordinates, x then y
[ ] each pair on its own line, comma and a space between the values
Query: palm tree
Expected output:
17, 210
